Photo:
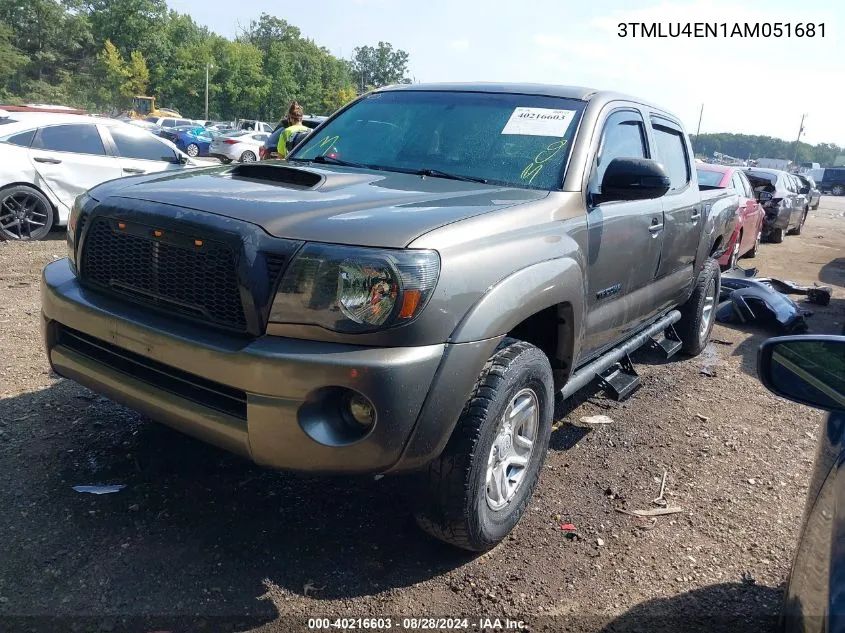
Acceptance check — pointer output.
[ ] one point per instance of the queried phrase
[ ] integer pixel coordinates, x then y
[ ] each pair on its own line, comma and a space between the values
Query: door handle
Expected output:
695, 216
655, 226
134, 170
44, 159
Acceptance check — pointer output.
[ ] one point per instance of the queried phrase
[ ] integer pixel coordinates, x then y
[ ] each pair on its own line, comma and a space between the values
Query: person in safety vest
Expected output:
294, 118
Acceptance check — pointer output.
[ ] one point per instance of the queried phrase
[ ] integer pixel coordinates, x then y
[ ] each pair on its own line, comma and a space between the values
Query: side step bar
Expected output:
602, 364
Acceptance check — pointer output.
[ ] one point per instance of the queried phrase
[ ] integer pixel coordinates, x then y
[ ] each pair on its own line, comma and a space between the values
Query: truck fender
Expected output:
522, 294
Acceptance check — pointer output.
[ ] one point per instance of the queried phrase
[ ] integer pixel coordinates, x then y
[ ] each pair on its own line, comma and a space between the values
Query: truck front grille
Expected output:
177, 273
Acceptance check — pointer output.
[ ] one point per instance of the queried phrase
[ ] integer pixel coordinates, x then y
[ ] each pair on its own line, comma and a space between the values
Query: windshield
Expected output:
709, 178
509, 139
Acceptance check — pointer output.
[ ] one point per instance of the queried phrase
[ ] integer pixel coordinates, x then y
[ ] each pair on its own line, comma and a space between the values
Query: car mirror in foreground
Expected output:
633, 179
806, 369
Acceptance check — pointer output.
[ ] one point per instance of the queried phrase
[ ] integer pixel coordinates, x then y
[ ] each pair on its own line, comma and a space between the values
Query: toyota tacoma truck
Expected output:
409, 292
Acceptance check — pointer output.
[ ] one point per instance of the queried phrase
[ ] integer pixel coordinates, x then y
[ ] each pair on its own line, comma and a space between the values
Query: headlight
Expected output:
72, 221
349, 289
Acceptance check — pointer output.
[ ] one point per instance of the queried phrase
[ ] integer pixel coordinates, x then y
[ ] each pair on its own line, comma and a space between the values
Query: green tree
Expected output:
11, 60
137, 75
379, 66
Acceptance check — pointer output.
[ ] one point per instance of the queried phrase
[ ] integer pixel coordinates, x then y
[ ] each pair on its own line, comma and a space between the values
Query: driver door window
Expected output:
623, 137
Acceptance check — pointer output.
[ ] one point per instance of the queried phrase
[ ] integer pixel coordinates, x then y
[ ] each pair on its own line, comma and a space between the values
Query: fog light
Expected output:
361, 410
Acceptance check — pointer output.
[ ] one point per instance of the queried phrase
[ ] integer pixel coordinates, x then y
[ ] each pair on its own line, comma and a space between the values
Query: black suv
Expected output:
833, 181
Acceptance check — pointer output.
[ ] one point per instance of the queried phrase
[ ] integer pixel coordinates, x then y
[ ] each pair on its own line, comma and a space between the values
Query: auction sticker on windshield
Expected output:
539, 122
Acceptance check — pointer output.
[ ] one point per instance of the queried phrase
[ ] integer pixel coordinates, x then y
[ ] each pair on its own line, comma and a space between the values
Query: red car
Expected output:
745, 240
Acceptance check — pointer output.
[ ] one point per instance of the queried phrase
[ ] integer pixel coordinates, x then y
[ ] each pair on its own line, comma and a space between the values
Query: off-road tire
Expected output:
776, 236
689, 328
451, 492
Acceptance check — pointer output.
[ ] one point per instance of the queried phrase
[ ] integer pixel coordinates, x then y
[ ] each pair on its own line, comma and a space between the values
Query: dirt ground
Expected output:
200, 540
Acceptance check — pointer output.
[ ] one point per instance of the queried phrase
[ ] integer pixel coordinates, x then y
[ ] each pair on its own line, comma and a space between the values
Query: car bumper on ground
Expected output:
277, 401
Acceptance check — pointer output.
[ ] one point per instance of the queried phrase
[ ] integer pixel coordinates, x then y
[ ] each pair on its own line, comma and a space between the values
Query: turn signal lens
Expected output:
409, 304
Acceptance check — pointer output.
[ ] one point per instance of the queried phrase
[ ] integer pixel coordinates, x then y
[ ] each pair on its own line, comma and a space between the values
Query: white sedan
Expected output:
240, 146
47, 160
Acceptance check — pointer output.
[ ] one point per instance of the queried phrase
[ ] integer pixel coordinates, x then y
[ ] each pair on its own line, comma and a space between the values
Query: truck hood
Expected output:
330, 204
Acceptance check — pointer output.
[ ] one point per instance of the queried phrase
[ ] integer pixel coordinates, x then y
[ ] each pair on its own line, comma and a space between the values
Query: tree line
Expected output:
98, 54
746, 146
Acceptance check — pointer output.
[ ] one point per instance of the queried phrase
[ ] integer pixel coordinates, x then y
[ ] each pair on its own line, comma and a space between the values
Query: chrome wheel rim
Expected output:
21, 215
707, 310
192, 150
248, 157
512, 448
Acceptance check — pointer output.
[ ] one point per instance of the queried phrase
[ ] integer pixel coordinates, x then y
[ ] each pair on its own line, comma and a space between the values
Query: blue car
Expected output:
194, 140
811, 370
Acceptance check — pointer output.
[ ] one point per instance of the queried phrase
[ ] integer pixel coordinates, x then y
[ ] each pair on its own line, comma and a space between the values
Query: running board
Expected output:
670, 343
621, 379
586, 374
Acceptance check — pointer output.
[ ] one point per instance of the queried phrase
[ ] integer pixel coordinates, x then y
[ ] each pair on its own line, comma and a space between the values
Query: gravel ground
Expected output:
200, 540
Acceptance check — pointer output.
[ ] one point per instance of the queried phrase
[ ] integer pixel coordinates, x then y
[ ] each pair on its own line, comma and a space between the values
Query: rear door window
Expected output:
75, 138
746, 186
140, 145
671, 151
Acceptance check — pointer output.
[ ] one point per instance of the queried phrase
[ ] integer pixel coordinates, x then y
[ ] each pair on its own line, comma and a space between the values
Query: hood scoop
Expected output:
278, 174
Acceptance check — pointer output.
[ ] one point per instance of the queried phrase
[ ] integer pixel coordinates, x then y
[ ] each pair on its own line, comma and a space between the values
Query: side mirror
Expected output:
765, 196
804, 190
633, 179
806, 369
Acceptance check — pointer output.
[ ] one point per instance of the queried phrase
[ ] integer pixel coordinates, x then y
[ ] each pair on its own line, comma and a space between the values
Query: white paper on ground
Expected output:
539, 122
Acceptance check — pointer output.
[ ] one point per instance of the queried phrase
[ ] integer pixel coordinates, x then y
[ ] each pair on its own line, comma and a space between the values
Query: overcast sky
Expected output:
750, 86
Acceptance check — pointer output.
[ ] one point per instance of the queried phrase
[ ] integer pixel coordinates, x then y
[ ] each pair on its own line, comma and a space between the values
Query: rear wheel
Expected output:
25, 214
474, 494
776, 236
837, 190
699, 312
248, 157
192, 150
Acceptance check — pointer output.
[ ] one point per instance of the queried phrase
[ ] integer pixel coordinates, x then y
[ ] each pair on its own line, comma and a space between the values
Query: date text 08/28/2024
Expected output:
417, 624
720, 29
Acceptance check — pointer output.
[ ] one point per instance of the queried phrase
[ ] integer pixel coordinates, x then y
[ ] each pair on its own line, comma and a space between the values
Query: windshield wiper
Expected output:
436, 173
331, 160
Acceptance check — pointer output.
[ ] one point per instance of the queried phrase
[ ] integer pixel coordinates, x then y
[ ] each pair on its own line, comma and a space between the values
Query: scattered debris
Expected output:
748, 578
309, 586
820, 295
134, 507
703, 418
648, 525
752, 481
720, 342
568, 527
100, 490
600, 542
377, 477
659, 500
657, 512
597, 419
707, 371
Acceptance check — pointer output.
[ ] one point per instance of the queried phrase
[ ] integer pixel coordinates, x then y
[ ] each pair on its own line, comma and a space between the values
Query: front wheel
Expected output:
474, 494
25, 214
192, 150
837, 190
248, 157
776, 236
699, 312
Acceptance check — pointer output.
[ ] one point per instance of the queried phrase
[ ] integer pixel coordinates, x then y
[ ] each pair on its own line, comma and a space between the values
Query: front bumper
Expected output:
261, 398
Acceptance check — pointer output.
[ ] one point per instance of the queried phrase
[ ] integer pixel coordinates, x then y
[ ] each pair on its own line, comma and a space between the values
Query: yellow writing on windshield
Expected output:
536, 166
327, 143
